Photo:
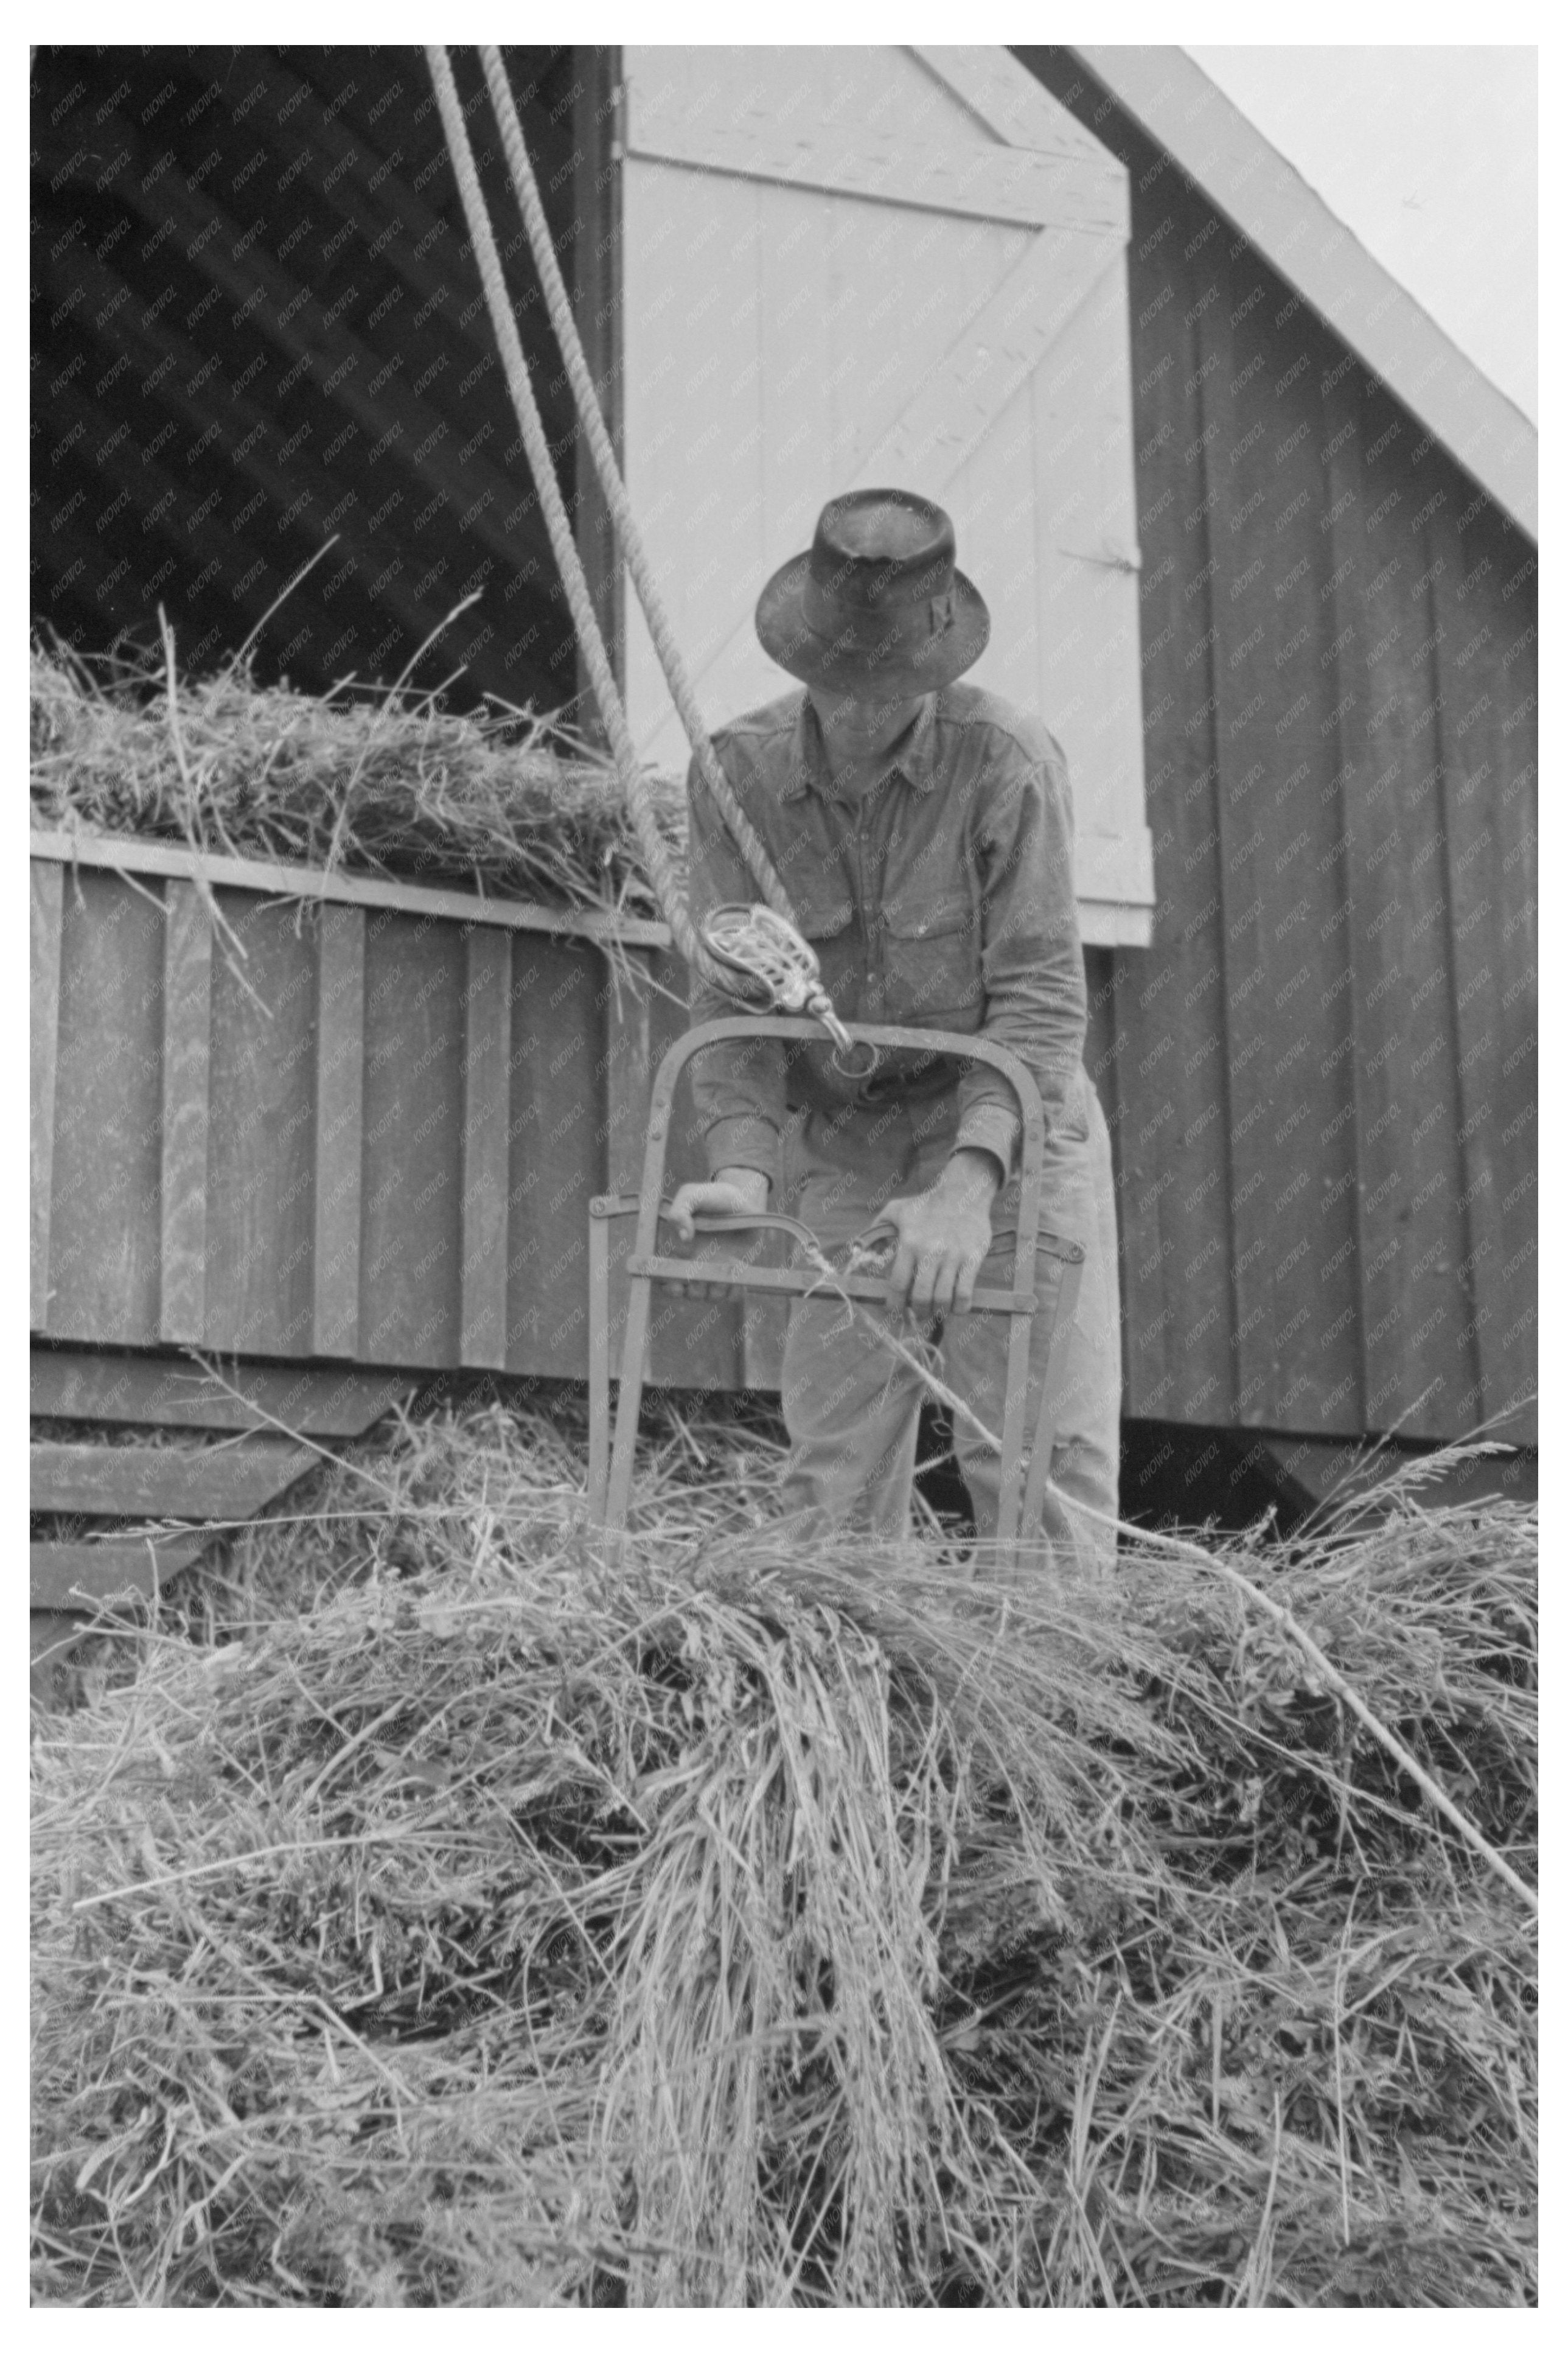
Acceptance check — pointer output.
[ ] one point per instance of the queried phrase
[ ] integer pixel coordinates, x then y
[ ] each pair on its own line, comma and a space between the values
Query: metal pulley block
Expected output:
772, 966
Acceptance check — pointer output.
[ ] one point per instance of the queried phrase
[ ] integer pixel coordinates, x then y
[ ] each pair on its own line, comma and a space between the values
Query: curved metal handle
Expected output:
734, 1221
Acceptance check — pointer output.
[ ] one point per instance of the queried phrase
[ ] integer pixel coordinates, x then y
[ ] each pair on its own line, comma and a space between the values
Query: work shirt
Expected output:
943, 898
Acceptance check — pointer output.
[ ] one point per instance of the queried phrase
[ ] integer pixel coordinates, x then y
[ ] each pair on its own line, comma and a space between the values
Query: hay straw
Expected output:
382, 781
1216, 1564
1212, 1563
761, 1926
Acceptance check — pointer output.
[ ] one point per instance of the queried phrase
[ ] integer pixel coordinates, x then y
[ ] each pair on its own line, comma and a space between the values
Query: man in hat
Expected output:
923, 831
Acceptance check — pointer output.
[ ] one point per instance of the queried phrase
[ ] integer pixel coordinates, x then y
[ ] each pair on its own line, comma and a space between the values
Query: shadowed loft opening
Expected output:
257, 330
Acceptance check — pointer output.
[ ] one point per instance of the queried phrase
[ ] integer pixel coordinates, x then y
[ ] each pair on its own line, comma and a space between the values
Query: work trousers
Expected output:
852, 1409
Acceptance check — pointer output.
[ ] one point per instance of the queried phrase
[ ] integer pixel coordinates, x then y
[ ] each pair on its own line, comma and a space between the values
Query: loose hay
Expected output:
372, 781
459, 1919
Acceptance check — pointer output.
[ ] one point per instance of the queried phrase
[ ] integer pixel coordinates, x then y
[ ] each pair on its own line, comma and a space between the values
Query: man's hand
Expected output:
943, 1238
733, 1193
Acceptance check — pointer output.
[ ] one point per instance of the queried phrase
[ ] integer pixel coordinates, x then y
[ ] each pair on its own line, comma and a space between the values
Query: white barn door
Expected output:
849, 267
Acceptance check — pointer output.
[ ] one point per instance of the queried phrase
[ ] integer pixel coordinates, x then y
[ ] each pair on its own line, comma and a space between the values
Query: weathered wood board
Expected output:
227, 1482
75, 1577
65, 1385
349, 1128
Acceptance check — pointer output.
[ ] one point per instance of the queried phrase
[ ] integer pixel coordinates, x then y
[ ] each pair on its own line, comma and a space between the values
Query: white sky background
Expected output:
1429, 156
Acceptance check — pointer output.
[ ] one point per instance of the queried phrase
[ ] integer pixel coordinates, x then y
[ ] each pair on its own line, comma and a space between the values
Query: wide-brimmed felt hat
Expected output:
877, 603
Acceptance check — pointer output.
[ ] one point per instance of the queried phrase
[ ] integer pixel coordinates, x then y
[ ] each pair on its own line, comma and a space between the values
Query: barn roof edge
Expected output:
1259, 189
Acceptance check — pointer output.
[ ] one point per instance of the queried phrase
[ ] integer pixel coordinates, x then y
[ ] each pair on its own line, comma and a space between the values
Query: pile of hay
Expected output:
457, 1916
374, 781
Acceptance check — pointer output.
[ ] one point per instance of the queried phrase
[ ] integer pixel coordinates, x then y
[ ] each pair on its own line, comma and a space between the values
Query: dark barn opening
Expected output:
258, 328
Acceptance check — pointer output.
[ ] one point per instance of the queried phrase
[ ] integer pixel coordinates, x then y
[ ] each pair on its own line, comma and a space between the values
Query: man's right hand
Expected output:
733, 1193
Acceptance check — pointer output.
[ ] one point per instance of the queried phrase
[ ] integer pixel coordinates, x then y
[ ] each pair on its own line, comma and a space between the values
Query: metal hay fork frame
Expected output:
610, 1473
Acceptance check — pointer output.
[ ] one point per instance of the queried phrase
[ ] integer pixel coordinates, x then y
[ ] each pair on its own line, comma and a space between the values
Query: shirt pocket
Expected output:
826, 917
932, 955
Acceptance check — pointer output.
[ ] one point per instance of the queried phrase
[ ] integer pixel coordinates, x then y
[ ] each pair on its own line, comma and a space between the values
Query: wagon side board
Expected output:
179, 1393
259, 1418
359, 1124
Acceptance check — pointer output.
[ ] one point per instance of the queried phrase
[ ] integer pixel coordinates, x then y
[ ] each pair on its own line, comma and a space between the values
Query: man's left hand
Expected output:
943, 1238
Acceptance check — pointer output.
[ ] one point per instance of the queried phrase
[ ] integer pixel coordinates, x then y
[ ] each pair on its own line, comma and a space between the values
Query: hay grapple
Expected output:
611, 1453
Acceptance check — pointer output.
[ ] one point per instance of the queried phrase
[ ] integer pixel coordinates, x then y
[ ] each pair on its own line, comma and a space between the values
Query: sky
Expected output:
1429, 155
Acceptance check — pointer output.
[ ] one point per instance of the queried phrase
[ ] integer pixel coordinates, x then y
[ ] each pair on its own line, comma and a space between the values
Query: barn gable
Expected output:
1288, 226
1322, 1076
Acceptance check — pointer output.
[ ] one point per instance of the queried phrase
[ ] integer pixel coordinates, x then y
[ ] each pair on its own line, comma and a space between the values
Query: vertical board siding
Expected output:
555, 1152
1171, 1116
486, 1119
1368, 873
187, 1078
260, 1150
44, 920
1279, 824
410, 1270
1323, 1071
340, 1132
1397, 917
316, 1130
105, 1227
1490, 873
628, 1064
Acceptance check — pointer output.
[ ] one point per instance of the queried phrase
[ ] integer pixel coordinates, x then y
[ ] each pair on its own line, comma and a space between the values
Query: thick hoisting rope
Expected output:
563, 321
654, 849
754, 954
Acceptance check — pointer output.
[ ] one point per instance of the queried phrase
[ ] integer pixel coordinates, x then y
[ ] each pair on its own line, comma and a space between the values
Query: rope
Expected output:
563, 318
656, 851
757, 955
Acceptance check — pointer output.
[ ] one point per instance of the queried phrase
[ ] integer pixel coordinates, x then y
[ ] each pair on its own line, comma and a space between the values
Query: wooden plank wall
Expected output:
258, 325
257, 1413
104, 1212
370, 1136
67, 1385
226, 1483
1321, 1077
44, 1017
